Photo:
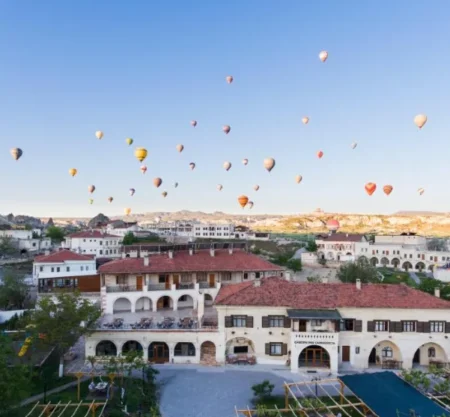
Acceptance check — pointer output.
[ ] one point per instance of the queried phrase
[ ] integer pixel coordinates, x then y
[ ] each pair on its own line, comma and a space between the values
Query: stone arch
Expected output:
384, 261
407, 266
122, 305
363, 258
430, 353
314, 356
338, 256
430, 267
348, 254
208, 300
184, 349
208, 352
131, 346
395, 262
106, 348
143, 304
165, 302
374, 261
127, 255
158, 352
330, 256
384, 350
240, 345
185, 301
320, 255
420, 266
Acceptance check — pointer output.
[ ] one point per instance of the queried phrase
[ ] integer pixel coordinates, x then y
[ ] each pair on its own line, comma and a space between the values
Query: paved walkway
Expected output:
414, 276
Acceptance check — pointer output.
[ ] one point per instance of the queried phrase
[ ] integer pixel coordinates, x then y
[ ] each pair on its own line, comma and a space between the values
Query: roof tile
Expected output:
91, 234
63, 255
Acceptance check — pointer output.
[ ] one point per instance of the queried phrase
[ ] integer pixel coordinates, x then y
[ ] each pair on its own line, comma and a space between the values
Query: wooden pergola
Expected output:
69, 409
302, 399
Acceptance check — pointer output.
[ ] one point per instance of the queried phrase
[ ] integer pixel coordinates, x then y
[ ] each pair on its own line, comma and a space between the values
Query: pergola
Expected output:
302, 399
67, 409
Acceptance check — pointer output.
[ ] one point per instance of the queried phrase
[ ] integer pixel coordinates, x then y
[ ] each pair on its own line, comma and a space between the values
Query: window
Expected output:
239, 321
53, 269
41, 269
162, 279
431, 352
201, 277
100, 252
276, 349
347, 325
240, 349
409, 326
436, 327
185, 277
184, 349
276, 321
387, 352
101, 242
257, 275
82, 268
67, 268
357, 350
121, 280
245, 275
381, 326
87, 268
225, 276
316, 323
84, 240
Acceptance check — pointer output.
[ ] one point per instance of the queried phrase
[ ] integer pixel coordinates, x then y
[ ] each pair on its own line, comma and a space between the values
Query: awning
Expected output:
314, 314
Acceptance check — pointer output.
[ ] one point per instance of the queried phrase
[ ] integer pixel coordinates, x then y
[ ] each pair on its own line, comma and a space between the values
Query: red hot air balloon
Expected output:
226, 129
229, 79
157, 182
319, 154
370, 188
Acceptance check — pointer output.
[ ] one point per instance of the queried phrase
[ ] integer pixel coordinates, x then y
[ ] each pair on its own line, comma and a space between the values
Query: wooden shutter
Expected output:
249, 322
265, 322
396, 326
420, 326
447, 327
358, 326
287, 323
426, 327
284, 349
228, 321
370, 326
267, 348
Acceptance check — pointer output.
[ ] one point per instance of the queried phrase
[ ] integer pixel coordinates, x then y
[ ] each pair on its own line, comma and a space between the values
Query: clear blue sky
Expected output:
145, 69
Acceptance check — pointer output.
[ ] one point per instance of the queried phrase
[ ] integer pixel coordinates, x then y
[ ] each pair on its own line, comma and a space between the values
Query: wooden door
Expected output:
176, 280
167, 282
345, 353
160, 303
302, 325
139, 283
212, 280
160, 353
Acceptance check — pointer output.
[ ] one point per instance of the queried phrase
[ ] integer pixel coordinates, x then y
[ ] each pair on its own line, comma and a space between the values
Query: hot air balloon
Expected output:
354, 145
370, 188
164, 194
180, 148
193, 123
245, 161
229, 79
91, 201
157, 182
127, 211
143, 169
99, 134
140, 154
243, 200
132, 191
227, 165
91, 188
129, 141
175, 184
256, 187
16, 153
192, 166
219, 187
388, 189
421, 191
420, 120
323, 56
250, 204
305, 120
269, 163
298, 179
319, 154
226, 129
110, 199
73, 172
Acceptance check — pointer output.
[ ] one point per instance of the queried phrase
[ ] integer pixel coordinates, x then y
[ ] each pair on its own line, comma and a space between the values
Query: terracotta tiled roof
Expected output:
91, 234
200, 261
277, 292
63, 255
341, 237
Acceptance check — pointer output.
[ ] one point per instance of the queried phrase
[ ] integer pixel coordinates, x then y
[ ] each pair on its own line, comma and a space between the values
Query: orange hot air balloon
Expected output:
91, 188
193, 123
164, 194
157, 182
140, 154
226, 129
143, 169
219, 187
370, 188
319, 154
110, 199
180, 148
99, 134
269, 164
245, 161
388, 189
420, 120
323, 56
256, 187
243, 200
298, 179
229, 79
250, 204
127, 211
305, 120
73, 171
227, 165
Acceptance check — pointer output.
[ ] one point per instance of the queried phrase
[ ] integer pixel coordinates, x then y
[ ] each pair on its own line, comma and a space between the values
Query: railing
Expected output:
205, 285
186, 286
209, 323
153, 327
122, 288
156, 287
56, 289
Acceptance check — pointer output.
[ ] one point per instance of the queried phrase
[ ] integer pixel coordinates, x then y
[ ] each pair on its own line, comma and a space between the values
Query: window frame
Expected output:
376, 327
275, 347
276, 321
437, 325
409, 326
385, 351
239, 321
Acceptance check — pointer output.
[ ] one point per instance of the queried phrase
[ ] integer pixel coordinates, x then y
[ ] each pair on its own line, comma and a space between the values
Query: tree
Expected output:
436, 244
294, 265
263, 390
63, 321
56, 234
311, 246
14, 292
7, 246
129, 239
360, 269
14, 378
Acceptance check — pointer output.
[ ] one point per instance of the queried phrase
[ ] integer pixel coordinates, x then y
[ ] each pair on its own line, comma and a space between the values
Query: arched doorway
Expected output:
420, 266
430, 353
314, 356
143, 304
385, 351
131, 346
184, 349
106, 348
384, 261
330, 256
240, 345
158, 352
122, 305
407, 266
320, 255
208, 352
363, 258
185, 301
208, 300
374, 261
164, 303
395, 262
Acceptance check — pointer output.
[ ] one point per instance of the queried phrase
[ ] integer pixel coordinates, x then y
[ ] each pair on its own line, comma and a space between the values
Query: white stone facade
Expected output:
28, 241
94, 243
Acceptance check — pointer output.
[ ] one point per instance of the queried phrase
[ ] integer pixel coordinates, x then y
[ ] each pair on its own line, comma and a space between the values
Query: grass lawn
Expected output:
392, 276
421, 275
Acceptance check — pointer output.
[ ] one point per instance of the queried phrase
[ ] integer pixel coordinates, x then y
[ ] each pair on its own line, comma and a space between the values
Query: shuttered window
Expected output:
276, 321
276, 349
436, 327
381, 325
239, 321
408, 326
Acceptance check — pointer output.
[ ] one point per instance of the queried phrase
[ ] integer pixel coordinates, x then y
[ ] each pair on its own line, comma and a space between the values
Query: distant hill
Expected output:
418, 213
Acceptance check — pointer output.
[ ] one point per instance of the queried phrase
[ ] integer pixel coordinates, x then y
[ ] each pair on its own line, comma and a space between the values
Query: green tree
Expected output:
14, 378
129, 239
263, 390
14, 293
7, 246
63, 321
56, 234
436, 244
294, 265
360, 269
28, 227
311, 246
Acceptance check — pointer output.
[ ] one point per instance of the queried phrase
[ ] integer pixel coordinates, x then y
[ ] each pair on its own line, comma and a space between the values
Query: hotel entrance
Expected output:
314, 357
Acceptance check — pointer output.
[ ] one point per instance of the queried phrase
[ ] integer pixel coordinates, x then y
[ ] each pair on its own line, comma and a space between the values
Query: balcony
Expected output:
49, 289
157, 287
123, 288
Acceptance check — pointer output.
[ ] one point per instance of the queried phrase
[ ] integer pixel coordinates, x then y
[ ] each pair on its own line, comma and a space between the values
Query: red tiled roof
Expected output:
277, 292
342, 237
63, 255
200, 261
91, 234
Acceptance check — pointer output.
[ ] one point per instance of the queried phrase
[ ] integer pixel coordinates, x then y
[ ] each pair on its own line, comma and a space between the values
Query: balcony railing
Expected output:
122, 288
186, 286
205, 285
156, 287
43, 290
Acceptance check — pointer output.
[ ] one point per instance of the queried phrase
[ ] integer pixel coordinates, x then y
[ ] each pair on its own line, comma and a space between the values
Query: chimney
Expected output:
358, 284
211, 252
437, 292
170, 253
146, 261
191, 251
256, 283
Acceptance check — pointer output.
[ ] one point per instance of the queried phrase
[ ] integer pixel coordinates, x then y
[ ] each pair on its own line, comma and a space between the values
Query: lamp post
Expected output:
315, 380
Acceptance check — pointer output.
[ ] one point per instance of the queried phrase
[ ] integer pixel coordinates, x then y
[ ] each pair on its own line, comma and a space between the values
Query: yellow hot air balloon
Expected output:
180, 148
99, 134
16, 153
91, 188
129, 141
269, 163
140, 154
323, 56
420, 120
157, 182
243, 200
298, 179
305, 120
91, 201
127, 211
73, 172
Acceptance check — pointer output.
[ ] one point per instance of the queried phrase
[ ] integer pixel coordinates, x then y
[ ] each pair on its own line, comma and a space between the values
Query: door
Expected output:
176, 281
139, 283
167, 282
159, 353
302, 325
212, 280
345, 353
416, 359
